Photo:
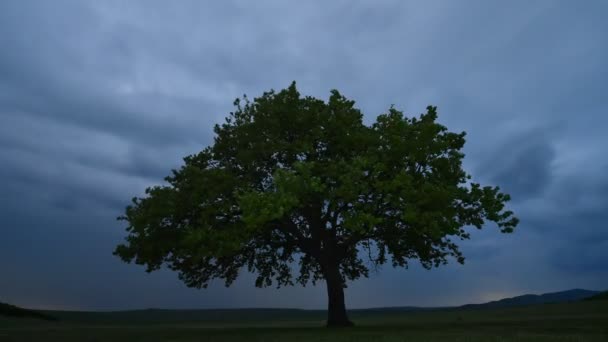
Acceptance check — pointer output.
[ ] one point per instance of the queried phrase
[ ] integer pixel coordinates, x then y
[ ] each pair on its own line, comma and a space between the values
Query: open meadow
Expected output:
577, 321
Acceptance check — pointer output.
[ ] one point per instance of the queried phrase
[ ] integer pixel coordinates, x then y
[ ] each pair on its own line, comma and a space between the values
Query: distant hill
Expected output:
277, 315
187, 315
599, 296
396, 309
530, 299
15, 311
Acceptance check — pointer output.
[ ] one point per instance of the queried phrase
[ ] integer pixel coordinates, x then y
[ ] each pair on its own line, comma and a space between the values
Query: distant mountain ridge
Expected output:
164, 315
600, 296
530, 299
527, 299
15, 311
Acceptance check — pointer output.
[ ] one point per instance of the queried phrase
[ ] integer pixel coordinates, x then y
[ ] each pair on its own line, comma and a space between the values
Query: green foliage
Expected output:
292, 179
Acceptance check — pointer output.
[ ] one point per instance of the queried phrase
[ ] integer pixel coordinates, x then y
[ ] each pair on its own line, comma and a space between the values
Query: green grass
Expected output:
580, 321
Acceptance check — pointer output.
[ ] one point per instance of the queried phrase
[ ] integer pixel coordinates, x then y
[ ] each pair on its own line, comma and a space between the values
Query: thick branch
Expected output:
304, 243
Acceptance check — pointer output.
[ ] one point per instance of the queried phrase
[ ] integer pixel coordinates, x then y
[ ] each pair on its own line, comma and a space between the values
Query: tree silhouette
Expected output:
293, 182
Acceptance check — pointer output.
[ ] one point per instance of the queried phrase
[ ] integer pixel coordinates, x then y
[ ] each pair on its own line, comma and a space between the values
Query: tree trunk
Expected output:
336, 308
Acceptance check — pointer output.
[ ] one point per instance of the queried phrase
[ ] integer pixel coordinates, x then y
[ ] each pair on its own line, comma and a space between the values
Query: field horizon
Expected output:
581, 320
519, 300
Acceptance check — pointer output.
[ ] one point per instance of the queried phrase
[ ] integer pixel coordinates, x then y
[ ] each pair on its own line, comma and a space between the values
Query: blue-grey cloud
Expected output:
99, 100
522, 165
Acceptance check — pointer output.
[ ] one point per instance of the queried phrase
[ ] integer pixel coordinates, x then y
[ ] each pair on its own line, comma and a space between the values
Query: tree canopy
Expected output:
297, 190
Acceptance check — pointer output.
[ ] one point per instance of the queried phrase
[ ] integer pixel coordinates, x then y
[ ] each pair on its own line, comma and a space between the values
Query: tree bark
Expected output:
336, 308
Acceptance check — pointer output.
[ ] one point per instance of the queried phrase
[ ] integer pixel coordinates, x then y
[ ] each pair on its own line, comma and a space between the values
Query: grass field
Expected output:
578, 321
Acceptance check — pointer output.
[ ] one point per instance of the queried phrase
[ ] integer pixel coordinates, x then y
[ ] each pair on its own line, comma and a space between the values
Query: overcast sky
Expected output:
100, 99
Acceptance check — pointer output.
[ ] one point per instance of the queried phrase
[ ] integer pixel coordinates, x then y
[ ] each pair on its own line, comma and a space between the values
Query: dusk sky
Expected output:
101, 99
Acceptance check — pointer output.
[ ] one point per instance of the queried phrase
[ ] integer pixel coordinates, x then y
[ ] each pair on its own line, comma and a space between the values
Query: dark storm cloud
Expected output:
99, 100
60, 64
576, 225
522, 165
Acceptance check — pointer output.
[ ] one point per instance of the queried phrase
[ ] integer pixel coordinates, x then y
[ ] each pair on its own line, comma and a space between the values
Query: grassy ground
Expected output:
581, 321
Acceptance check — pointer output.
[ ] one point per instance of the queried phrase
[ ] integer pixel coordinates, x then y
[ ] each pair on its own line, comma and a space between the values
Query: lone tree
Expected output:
294, 181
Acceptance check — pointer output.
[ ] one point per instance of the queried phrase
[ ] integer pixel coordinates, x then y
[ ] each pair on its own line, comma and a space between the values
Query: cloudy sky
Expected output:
100, 99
